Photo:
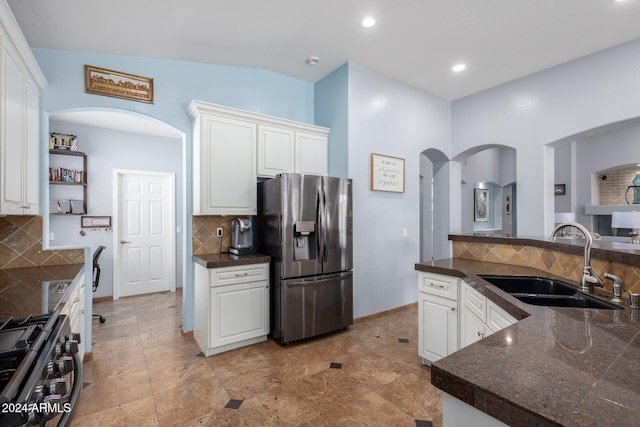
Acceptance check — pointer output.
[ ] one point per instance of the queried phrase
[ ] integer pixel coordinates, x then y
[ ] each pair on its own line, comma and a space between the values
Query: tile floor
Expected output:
144, 373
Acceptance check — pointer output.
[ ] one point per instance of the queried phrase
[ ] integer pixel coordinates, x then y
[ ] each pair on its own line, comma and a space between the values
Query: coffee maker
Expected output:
241, 237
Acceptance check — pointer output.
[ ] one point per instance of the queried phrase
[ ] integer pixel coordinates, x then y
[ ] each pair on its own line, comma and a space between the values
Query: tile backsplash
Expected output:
204, 240
21, 245
558, 263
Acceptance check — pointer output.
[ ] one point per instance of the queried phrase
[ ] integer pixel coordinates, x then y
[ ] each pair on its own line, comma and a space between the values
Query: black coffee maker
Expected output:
241, 237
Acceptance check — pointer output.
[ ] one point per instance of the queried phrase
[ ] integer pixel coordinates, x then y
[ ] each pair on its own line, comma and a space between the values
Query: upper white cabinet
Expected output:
20, 82
276, 148
232, 147
224, 165
311, 153
282, 149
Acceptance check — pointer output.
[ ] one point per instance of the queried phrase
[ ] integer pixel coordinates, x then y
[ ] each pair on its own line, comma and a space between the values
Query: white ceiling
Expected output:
415, 41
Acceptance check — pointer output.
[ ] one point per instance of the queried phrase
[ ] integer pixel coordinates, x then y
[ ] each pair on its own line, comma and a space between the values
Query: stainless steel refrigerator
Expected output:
305, 224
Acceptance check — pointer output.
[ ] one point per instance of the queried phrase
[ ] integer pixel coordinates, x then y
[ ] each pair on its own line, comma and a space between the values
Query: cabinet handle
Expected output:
436, 286
453, 309
243, 274
480, 334
76, 300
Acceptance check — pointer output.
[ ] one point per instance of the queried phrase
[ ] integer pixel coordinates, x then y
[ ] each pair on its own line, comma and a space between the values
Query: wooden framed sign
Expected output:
387, 173
101, 81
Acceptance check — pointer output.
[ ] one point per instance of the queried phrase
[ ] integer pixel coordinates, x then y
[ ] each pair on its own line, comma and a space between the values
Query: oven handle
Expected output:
65, 420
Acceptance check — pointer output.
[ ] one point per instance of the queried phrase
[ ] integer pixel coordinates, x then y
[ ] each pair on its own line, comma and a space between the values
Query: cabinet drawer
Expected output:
437, 284
240, 274
475, 302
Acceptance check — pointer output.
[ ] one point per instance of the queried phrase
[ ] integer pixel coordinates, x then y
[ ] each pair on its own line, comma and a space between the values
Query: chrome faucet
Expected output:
589, 279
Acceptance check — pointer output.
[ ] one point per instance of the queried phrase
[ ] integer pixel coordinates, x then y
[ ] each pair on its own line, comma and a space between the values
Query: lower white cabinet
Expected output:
437, 316
74, 309
232, 306
447, 323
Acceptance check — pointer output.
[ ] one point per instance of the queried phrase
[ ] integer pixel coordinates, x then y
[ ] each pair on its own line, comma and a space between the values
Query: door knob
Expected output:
124, 241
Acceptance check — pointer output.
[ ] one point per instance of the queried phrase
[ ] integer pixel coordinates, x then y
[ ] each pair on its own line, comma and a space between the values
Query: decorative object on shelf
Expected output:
63, 141
387, 173
559, 189
480, 204
95, 222
630, 220
101, 81
636, 191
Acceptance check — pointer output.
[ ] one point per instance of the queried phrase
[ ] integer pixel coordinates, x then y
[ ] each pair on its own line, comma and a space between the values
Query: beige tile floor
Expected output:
144, 373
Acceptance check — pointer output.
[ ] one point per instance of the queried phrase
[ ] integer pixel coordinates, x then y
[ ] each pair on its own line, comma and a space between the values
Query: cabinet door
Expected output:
238, 312
437, 327
228, 166
32, 148
471, 328
275, 150
311, 154
11, 128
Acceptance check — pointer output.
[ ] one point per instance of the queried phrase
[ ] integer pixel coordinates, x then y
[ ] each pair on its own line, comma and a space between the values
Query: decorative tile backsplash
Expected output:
204, 240
558, 263
21, 245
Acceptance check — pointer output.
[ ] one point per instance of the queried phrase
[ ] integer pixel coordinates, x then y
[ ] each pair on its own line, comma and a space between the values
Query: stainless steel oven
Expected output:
40, 371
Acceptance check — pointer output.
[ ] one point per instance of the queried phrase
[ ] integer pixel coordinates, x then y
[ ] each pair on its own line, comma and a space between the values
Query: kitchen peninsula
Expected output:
555, 366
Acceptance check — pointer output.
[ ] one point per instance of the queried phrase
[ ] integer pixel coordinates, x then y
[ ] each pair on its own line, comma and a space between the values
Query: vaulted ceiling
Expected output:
413, 41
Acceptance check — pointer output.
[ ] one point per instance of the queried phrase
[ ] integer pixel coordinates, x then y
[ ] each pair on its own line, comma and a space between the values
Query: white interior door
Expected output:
144, 259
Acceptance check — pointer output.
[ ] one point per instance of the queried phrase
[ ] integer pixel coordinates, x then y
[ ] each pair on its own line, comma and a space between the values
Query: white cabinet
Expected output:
447, 323
224, 165
232, 147
19, 136
437, 316
311, 153
232, 307
74, 309
480, 317
285, 149
276, 148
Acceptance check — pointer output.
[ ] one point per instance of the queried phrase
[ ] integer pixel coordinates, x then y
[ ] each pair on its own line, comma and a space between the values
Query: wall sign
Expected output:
387, 173
101, 81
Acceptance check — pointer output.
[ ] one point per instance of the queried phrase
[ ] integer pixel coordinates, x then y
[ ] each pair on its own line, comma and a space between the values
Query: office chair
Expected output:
96, 275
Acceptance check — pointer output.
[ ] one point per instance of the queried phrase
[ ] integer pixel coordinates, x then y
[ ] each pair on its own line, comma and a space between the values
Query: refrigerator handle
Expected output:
320, 227
325, 221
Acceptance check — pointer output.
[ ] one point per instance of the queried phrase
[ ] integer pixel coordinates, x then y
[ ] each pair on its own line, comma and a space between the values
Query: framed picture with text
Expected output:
387, 173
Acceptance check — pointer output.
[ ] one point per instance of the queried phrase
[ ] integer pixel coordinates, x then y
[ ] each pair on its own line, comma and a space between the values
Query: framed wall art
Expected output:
480, 205
387, 173
559, 189
101, 81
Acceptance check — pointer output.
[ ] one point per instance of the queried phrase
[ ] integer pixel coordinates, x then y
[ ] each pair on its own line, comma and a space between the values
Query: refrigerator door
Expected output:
313, 306
301, 225
337, 220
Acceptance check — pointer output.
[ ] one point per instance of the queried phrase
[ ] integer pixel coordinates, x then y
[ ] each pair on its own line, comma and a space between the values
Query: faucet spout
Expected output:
589, 278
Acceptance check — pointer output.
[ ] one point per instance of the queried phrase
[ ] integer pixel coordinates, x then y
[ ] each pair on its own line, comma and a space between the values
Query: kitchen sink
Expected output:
547, 292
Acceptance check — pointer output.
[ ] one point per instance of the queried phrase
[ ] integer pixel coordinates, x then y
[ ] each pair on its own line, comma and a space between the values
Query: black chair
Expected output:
96, 275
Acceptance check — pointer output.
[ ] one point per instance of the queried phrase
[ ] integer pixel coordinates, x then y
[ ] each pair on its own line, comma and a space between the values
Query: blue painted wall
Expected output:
332, 111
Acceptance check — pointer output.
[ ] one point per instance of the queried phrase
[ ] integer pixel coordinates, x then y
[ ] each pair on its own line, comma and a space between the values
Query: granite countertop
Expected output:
23, 291
229, 260
555, 366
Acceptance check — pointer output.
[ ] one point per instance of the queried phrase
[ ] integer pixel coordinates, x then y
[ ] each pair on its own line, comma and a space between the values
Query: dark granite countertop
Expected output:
229, 260
23, 291
555, 366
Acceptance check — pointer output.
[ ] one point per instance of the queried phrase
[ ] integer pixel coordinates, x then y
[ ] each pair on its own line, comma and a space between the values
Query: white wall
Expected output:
553, 104
388, 117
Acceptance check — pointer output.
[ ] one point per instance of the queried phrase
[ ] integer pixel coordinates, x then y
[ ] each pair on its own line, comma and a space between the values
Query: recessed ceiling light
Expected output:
458, 68
368, 22
312, 60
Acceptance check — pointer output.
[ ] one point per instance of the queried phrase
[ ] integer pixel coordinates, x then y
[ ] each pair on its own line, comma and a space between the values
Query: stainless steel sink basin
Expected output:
547, 292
